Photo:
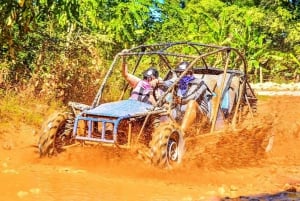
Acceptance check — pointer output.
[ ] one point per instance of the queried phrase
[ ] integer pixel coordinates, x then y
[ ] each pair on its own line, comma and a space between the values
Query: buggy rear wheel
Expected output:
49, 141
167, 146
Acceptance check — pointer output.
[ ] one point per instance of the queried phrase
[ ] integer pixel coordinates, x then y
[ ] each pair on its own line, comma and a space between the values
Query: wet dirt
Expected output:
235, 165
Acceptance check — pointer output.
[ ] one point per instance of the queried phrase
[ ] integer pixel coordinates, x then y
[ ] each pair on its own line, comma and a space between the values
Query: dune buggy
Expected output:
114, 120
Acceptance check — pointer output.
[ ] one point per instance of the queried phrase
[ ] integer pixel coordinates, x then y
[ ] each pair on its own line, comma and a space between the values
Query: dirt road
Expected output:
236, 166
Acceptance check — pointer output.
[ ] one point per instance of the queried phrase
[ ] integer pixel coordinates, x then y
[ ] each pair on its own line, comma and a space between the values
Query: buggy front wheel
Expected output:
167, 146
49, 141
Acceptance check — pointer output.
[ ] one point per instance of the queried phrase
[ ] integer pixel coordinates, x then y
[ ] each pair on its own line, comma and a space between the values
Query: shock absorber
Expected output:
66, 135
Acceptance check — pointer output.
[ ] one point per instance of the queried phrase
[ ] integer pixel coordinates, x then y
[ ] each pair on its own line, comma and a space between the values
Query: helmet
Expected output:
182, 66
150, 72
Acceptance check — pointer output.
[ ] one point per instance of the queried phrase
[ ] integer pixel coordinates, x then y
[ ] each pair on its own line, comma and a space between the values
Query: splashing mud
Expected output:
259, 160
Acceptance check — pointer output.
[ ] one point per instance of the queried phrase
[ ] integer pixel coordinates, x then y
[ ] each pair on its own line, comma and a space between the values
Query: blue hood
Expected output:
123, 108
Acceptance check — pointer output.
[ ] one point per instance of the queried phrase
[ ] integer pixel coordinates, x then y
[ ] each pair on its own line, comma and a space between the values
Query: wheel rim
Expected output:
172, 151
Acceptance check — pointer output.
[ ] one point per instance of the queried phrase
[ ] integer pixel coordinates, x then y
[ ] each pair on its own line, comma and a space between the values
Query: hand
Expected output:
125, 51
154, 82
177, 100
123, 56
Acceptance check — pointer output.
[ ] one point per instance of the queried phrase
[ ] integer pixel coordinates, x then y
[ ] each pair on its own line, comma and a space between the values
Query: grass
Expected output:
16, 108
263, 97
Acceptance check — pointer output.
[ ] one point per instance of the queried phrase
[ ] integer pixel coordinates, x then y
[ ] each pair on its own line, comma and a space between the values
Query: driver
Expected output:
142, 88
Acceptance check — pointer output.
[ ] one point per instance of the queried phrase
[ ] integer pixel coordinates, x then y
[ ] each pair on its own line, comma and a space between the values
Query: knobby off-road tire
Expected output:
49, 140
167, 146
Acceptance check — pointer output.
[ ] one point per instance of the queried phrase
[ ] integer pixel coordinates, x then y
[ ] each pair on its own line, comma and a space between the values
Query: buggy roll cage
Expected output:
162, 50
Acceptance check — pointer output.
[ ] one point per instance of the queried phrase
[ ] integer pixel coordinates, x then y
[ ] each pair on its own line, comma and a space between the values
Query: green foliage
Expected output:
58, 48
73, 74
170, 25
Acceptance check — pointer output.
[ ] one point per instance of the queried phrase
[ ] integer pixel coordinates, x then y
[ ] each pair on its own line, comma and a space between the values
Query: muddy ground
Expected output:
236, 165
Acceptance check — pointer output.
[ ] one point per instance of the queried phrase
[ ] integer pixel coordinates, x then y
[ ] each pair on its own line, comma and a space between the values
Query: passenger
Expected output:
192, 97
142, 88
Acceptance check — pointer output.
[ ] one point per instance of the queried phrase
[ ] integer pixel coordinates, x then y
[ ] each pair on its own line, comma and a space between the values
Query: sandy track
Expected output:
236, 165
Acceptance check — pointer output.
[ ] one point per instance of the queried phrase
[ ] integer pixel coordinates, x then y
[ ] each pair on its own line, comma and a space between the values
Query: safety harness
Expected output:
142, 92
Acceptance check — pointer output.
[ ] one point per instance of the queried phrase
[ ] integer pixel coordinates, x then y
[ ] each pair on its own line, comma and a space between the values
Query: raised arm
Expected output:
131, 79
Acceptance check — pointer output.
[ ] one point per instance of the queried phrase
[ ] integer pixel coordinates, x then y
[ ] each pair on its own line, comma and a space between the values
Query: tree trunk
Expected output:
260, 75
